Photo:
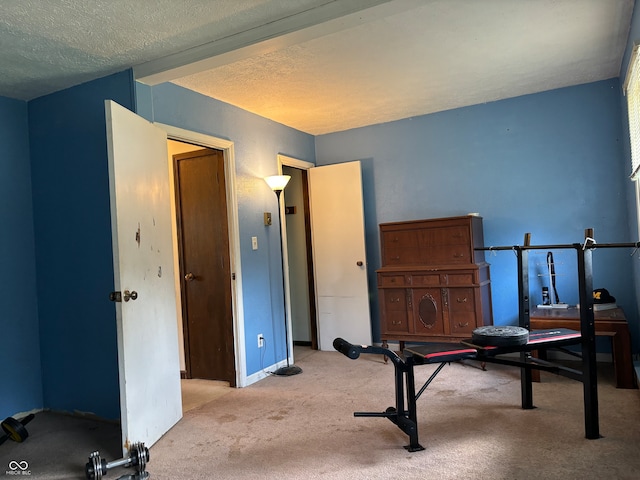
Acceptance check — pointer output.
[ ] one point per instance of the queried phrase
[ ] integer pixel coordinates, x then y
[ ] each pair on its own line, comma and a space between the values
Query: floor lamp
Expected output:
277, 184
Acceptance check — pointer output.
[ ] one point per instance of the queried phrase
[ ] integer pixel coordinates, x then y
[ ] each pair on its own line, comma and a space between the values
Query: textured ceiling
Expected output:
49, 45
296, 63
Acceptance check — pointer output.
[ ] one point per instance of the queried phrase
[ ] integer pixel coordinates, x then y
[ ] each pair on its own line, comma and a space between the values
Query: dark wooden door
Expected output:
205, 271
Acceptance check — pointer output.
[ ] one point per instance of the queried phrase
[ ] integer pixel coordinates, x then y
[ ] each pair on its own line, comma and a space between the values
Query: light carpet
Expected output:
302, 427
470, 424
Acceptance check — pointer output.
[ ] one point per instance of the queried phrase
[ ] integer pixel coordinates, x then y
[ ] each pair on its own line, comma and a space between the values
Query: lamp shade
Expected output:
278, 182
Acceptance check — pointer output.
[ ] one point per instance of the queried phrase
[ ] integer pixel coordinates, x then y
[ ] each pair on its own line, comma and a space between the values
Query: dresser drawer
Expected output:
461, 300
445, 236
394, 299
404, 239
463, 323
402, 256
396, 322
446, 255
467, 278
391, 280
433, 279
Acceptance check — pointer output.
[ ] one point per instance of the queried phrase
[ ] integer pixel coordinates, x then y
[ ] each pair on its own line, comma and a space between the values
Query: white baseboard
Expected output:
264, 373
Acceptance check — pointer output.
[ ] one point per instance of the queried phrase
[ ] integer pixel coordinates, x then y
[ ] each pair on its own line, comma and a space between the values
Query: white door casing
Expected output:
148, 359
339, 254
227, 147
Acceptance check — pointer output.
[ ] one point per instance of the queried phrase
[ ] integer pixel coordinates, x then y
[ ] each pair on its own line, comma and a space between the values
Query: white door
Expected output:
339, 254
148, 360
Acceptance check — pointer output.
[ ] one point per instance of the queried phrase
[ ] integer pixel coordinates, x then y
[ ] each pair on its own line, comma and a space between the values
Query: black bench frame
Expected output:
404, 414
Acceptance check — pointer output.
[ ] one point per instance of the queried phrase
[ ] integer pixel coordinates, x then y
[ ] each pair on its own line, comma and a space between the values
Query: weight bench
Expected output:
404, 414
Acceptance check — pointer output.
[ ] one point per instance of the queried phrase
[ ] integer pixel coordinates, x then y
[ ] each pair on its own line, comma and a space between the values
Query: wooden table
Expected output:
610, 323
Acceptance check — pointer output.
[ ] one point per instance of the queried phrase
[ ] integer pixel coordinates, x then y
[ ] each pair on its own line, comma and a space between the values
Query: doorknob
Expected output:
118, 296
359, 263
130, 295
189, 277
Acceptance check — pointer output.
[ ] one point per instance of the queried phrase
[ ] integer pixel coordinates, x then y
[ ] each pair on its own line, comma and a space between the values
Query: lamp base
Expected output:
288, 371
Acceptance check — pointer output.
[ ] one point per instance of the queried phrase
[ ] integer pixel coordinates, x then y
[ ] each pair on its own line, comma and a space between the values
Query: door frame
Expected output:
284, 160
227, 148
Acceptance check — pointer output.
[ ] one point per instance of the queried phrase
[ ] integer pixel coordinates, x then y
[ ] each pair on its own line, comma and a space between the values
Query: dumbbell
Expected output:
138, 457
14, 429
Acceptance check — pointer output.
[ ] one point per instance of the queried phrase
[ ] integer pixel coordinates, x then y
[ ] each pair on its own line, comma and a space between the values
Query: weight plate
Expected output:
14, 429
504, 336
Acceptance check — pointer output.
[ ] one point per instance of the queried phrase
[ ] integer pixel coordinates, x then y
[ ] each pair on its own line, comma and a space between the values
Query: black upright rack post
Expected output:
526, 377
588, 375
588, 330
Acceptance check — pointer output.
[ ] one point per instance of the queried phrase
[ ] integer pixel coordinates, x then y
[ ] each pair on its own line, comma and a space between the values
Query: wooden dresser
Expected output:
433, 285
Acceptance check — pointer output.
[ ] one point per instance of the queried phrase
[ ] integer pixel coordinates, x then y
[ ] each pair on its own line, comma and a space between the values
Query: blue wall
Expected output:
20, 371
551, 164
257, 142
73, 245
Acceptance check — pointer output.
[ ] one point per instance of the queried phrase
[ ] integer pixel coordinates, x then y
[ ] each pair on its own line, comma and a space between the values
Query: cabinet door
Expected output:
445, 245
462, 310
400, 248
445, 235
394, 310
427, 311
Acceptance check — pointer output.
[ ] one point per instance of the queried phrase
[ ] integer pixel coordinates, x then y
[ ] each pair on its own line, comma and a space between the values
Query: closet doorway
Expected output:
301, 276
204, 264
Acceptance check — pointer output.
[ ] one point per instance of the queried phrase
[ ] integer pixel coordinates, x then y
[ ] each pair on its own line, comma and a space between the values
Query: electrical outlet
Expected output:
260, 340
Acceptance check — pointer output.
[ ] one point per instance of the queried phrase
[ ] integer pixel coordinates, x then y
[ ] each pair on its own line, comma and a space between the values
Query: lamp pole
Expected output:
277, 184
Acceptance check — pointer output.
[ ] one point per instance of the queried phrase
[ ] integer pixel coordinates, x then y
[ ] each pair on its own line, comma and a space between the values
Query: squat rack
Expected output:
404, 415
588, 376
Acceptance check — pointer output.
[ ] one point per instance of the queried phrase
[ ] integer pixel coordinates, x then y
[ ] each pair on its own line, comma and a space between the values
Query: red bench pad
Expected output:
450, 352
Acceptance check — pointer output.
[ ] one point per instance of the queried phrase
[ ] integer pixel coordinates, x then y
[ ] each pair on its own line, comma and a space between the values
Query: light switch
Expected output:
254, 243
